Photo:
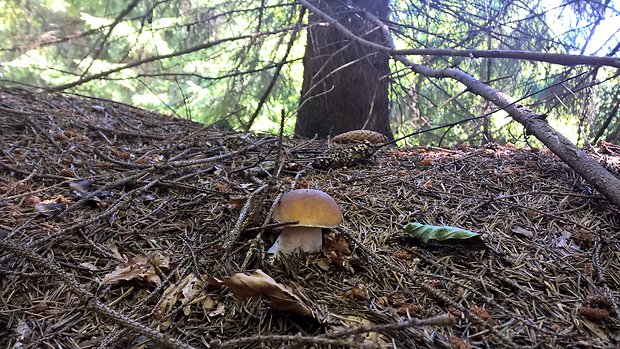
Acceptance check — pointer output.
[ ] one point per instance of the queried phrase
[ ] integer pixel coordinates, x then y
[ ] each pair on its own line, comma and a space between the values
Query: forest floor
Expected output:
121, 228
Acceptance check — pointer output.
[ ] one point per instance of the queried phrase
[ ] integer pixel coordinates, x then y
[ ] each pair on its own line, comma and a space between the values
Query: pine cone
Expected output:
360, 136
348, 156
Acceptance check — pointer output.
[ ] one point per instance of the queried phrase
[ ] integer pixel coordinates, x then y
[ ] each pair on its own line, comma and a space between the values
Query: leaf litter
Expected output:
182, 215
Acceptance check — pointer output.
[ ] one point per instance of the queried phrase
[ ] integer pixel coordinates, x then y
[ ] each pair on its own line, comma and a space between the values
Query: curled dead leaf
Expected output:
521, 231
89, 266
258, 283
352, 321
458, 343
425, 162
596, 329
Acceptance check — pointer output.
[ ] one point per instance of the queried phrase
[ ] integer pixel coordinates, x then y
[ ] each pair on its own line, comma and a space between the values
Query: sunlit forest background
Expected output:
236, 64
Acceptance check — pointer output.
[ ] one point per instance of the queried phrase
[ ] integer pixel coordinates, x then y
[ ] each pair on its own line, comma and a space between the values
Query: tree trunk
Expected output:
345, 84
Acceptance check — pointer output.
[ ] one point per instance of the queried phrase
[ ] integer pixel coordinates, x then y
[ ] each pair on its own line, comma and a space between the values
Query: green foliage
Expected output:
419, 102
49, 43
68, 40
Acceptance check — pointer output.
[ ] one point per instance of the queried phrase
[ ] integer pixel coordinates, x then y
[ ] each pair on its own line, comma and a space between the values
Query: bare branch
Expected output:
161, 57
276, 74
104, 42
612, 114
556, 58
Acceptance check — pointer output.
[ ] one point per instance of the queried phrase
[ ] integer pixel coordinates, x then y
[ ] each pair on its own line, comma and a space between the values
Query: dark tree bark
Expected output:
345, 84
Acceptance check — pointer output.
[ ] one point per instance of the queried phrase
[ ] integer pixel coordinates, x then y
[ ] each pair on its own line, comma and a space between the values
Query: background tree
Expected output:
345, 85
237, 64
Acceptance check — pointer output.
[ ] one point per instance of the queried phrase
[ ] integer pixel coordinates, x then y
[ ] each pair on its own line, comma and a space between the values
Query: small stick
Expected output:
257, 242
239, 342
234, 234
277, 167
272, 225
444, 320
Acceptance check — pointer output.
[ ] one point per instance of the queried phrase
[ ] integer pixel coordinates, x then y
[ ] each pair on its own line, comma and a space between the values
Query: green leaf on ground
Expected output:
446, 235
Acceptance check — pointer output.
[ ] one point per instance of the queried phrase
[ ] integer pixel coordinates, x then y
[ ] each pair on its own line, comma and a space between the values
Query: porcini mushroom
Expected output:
313, 210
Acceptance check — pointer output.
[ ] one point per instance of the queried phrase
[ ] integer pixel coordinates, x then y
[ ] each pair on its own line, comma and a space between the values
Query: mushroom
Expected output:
314, 210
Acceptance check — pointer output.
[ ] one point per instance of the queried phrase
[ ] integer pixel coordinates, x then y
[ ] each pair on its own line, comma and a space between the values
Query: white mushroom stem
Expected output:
291, 239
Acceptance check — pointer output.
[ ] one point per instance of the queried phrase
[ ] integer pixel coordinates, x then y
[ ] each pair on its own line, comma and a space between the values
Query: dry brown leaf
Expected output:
429, 184
258, 283
63, 200
454, 312
222, 187
208, 303
383, 301
164, 325
139, 267
323, 263
340, 261
425, 162
171, 296
396, 298
189, 293
65, 172
184, 291
359, 292
119, 257
32, 200
236, 202
483, 314
160, 260
41, 306
402, 254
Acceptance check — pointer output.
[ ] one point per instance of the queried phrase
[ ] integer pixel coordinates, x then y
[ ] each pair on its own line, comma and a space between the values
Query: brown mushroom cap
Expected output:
311, 207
